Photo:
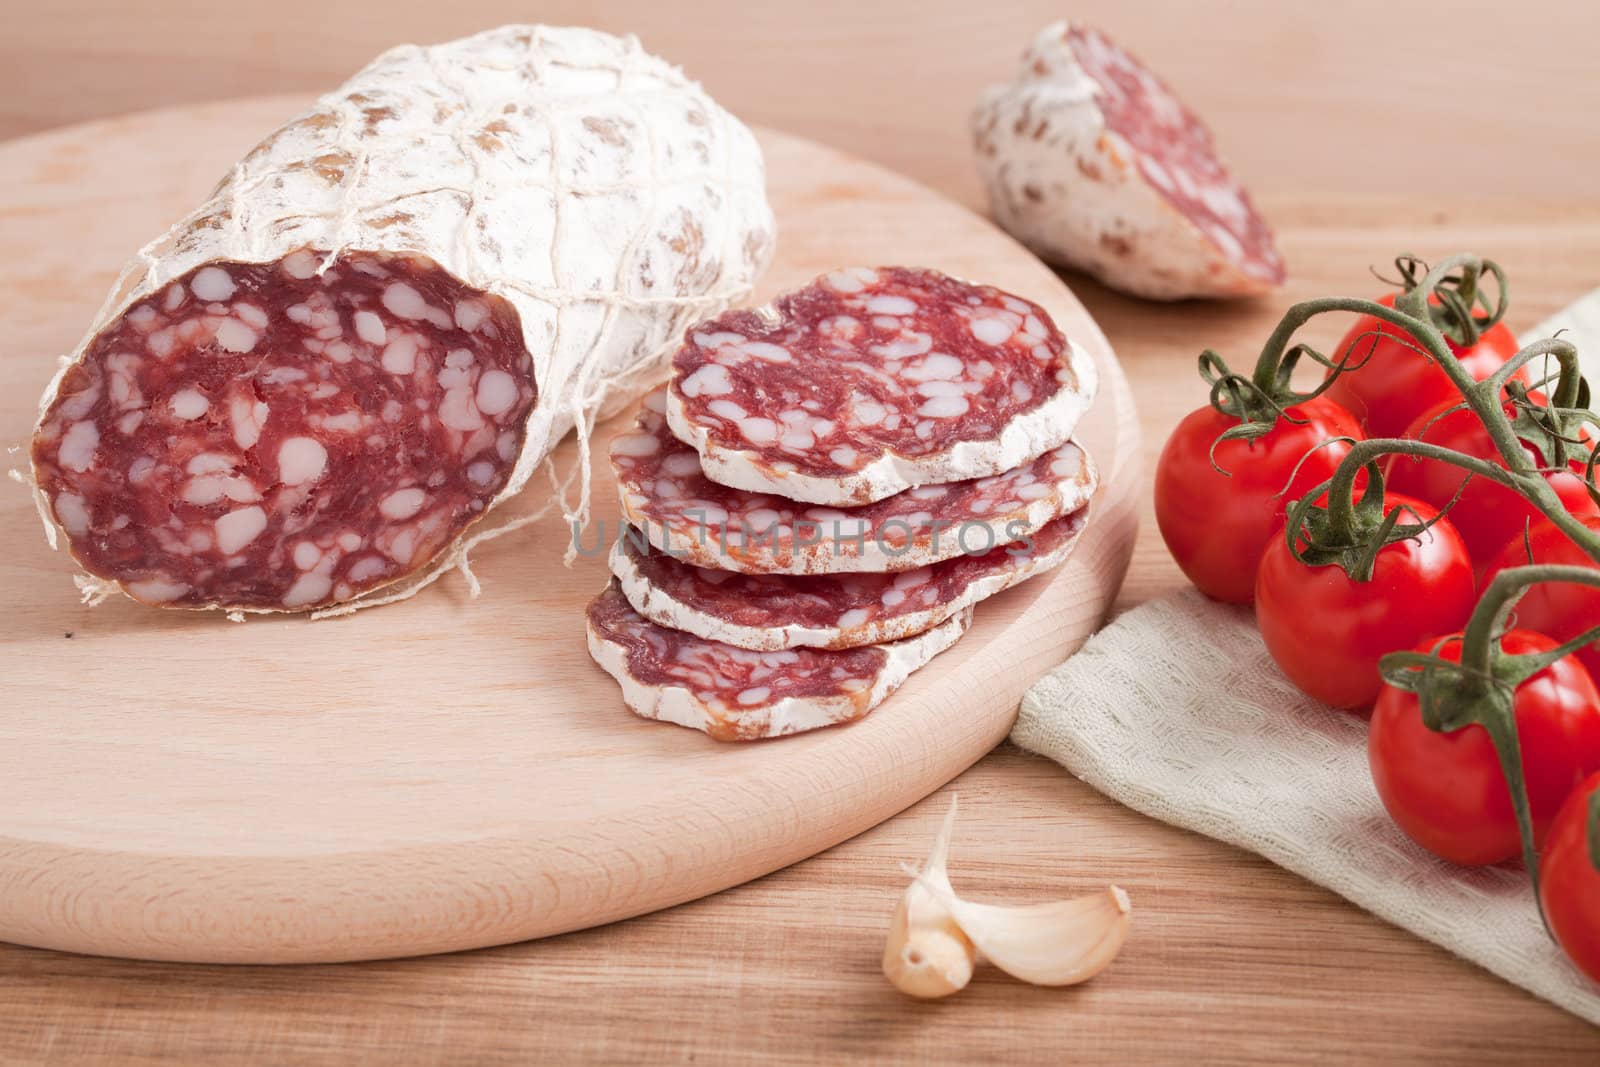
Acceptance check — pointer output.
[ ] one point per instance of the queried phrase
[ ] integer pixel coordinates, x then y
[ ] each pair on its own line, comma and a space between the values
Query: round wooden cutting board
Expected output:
444, 773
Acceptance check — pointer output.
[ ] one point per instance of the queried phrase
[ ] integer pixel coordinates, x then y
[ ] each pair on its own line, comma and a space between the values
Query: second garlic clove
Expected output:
1063, 942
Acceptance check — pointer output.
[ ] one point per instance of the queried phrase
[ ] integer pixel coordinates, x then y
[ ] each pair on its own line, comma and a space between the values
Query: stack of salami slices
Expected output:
826, 488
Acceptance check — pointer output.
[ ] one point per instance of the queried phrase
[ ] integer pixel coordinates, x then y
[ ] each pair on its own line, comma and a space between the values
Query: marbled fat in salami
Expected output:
735, 694
1092, 161
668, 497
269, 436
768, 612
868, 382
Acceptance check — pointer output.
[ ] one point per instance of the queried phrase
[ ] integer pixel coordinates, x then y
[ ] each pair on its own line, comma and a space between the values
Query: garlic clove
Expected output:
927, 955
1060, 943
935, 936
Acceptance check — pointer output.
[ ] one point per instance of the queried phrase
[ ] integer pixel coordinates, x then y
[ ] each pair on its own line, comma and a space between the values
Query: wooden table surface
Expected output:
1380, 128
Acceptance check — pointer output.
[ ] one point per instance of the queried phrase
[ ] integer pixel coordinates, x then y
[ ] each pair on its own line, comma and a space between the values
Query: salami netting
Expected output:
868, 382
774, 611
668, 497
271, 436
584, 195
1175, 153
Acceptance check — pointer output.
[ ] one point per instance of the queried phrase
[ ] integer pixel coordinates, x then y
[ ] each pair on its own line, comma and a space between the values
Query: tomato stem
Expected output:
1351, 525
1564, 352
1493, 612
1268, 366
1594, 829
1454, 295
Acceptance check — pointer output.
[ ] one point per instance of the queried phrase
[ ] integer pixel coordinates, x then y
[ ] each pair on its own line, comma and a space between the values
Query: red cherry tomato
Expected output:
1327, 631
1447, 792
1486, 515
1569, 885
1560, 609
1394, 383
1217, 525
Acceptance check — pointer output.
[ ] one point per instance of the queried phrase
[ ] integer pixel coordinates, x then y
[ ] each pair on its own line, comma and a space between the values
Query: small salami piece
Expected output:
667, 496
388, 314
1091, 161
868, 382
768, 612
734, 694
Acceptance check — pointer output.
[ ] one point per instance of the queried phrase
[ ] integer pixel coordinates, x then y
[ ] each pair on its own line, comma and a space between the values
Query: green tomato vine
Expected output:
1351, 528
1594, 829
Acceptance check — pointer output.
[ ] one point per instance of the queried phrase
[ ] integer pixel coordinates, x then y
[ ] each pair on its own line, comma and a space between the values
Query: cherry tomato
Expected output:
1447, 792
1327, 631
1569, 885
1560, 609
1394, 383
1217, 525
1486, 515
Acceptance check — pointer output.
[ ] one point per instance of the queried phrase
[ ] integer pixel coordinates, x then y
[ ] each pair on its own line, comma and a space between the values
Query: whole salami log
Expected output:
308, 391
868, 382
734, 694
1091, 161
666, 495
768, 612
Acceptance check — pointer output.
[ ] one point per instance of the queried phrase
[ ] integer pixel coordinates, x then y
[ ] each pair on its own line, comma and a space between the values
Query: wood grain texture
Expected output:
1361, 96
1231, 959
444, 773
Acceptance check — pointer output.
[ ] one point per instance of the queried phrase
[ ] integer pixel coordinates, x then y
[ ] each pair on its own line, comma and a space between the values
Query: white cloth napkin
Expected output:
1176, 710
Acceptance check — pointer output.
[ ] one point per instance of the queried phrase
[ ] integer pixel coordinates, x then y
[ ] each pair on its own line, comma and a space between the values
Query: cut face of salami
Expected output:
1092, 161
667, 496
306, 393
735, 694
770, 612
868, 382
271, 436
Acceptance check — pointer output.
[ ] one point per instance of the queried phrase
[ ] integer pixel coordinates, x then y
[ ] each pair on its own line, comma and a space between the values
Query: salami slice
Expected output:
1093, 162
868, 382
264, 435
679, 510
767, 612
734, 694
388, 313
